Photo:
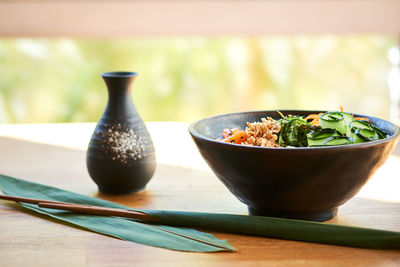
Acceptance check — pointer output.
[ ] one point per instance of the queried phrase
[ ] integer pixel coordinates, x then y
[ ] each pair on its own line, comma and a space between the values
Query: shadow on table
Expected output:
365, 212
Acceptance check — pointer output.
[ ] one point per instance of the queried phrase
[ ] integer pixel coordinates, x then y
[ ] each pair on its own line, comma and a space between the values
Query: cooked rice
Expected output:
263, 133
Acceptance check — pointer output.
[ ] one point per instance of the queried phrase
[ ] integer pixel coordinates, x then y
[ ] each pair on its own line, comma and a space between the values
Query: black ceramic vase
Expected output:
120, 157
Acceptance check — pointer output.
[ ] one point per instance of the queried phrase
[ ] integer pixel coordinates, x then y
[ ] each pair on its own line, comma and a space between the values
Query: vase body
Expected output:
120, 157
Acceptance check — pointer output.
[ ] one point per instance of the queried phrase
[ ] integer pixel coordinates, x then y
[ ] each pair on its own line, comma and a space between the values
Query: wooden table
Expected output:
54, 154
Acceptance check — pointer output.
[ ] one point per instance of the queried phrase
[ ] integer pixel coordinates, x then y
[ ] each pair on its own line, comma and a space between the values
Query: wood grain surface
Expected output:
28, 239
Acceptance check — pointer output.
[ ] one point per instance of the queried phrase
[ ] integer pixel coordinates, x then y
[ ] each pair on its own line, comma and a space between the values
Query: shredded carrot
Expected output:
361, 118
314, 118
356, 118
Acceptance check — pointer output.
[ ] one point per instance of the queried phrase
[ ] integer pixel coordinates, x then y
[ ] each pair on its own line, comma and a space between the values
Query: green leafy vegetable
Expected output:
336, 120
320, 136
336, 128
364, 131
337, 141
294, 131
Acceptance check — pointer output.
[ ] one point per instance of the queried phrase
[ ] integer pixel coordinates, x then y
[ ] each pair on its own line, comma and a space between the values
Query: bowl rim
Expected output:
195, 134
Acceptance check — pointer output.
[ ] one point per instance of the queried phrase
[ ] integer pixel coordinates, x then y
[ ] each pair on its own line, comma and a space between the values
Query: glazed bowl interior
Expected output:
301, 183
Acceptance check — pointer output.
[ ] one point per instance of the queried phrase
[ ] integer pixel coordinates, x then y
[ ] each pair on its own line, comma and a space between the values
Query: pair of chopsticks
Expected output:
97, 210
80, 208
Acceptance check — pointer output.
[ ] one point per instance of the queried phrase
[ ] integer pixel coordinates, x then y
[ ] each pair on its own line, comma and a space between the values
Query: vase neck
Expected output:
119, 86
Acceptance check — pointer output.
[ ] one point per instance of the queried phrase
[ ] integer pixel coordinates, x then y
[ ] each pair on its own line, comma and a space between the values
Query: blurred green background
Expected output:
185, 79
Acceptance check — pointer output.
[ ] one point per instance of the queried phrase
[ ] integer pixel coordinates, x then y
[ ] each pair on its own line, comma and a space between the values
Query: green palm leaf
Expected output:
154, 235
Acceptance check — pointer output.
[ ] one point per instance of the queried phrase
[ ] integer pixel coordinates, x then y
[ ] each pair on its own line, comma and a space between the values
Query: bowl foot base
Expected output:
309, 216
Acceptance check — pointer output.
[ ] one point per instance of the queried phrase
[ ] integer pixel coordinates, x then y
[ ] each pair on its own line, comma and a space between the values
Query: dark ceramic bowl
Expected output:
298, 183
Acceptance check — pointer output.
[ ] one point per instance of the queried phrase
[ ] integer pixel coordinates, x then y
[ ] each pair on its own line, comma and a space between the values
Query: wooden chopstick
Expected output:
28, 200
80, 208
97, 210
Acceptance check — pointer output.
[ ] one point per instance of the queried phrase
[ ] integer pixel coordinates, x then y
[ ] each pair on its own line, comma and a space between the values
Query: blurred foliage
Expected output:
57, 80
